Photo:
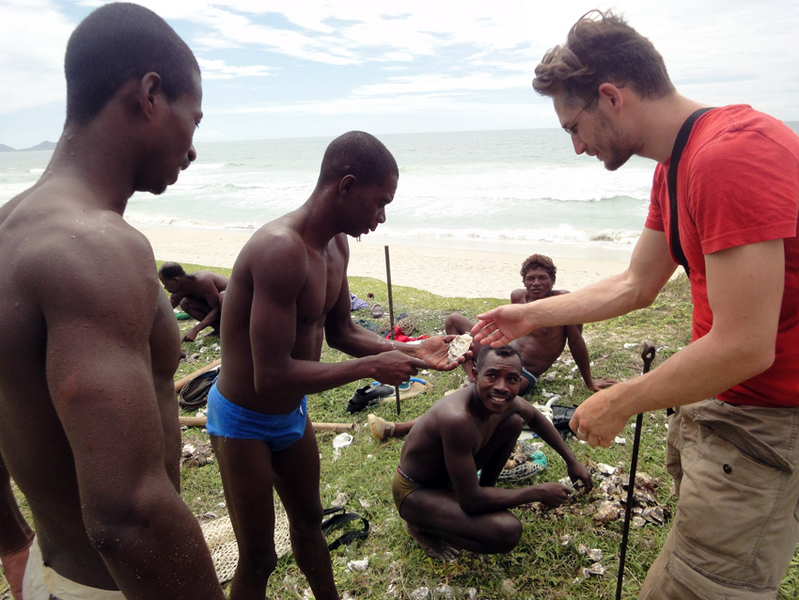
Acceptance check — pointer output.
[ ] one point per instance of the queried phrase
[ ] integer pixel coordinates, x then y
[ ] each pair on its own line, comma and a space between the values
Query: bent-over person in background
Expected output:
199, 294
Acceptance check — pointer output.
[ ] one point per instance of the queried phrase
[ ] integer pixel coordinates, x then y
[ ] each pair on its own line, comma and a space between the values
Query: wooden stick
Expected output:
184, 380
334, 427
391, 316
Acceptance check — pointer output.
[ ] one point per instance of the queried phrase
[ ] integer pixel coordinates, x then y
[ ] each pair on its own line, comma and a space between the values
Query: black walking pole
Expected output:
391, 316
648, 355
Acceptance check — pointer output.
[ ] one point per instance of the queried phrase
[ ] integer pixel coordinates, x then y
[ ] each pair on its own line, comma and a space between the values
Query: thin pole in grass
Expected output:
391, 316
648, 355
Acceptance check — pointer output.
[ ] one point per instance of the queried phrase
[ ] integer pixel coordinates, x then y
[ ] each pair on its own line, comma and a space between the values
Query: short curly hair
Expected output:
116, 43
360, 154
539, 261
503, 351
601, 47
171, 270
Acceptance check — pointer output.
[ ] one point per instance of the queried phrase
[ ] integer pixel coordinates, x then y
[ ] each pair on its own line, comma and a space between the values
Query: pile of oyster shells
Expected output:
196, 455
610, 497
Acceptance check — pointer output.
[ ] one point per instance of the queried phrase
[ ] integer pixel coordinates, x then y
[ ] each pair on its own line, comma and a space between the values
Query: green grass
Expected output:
541, 567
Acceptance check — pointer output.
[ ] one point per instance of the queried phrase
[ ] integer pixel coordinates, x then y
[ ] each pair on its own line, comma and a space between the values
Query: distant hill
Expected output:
43, 146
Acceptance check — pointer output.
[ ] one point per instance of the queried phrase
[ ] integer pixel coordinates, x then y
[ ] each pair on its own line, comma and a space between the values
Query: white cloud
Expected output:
33, 37
404, 62
217, 69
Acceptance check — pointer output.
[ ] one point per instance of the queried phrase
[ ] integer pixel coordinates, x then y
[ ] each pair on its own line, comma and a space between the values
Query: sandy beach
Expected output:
484, 272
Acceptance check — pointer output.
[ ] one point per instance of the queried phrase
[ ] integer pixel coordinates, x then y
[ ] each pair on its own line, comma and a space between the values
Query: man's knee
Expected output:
511, 427
506, 534
306, 526
187, 304
457, 324
258, 561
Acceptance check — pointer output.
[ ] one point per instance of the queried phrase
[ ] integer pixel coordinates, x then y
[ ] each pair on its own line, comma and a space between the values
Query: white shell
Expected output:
459, 346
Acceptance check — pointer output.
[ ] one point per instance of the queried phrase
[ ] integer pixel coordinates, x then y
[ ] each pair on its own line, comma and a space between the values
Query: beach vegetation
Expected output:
550, 561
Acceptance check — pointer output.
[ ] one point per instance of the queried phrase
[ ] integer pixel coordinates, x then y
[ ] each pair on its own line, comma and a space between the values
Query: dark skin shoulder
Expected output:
298, 293
89, 430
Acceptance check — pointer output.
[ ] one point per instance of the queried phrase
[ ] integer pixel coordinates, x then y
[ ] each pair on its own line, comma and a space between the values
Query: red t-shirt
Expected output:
738, 184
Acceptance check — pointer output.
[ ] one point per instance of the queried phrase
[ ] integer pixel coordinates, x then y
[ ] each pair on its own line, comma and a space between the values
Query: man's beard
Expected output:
620, 149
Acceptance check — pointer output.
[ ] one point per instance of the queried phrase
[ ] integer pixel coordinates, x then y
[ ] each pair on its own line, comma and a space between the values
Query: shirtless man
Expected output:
435, 488
199, 294
288, 291
89, 427
541, 347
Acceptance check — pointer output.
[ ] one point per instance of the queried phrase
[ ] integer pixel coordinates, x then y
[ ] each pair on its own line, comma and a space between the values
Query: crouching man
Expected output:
436, 488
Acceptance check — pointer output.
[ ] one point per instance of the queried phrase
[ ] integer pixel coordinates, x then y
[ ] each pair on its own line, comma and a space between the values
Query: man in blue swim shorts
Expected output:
288, 291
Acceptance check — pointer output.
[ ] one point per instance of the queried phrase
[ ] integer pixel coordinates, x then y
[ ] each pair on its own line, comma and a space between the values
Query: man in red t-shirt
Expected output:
734, 439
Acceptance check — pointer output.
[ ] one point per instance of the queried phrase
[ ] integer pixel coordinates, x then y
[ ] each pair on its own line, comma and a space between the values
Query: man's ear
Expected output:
346, 185
474, 371
613, 95
150, 92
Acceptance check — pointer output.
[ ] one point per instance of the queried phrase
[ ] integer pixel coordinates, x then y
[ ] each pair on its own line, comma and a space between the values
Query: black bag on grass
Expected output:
194, 394
561, 415
340, 519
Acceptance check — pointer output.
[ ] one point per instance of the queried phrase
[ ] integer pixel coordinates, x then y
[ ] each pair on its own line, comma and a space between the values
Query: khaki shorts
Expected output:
40, 582
736, 469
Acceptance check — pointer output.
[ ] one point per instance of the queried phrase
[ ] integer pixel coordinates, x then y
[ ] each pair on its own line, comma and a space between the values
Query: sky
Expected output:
299, 68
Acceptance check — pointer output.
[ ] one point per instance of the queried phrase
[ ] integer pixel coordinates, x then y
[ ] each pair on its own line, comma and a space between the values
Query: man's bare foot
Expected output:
435, 547
380, 428
462, 386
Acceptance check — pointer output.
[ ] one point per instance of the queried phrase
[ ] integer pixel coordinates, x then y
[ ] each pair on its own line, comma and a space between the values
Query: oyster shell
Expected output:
459, 346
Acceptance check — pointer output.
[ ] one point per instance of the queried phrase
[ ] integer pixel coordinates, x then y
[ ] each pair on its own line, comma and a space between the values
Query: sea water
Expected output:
490, 189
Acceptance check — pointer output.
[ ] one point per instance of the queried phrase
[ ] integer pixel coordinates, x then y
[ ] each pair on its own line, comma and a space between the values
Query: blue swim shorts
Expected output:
532, 379
226, 419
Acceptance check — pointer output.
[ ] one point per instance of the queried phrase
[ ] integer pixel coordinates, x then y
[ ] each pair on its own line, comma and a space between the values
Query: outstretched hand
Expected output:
502, 325
396, 367
434, 351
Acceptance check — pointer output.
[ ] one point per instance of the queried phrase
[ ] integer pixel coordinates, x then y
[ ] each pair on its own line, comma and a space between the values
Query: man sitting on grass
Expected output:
541, 347
447, 506
199, 294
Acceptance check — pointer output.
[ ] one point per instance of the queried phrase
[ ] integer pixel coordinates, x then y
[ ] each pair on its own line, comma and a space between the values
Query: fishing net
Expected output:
222, 542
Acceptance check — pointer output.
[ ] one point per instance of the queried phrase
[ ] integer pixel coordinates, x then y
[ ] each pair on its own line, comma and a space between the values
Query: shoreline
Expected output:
484, 270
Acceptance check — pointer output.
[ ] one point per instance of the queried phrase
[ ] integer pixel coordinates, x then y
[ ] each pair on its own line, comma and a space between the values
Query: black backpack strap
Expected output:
676, 154
340, 519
